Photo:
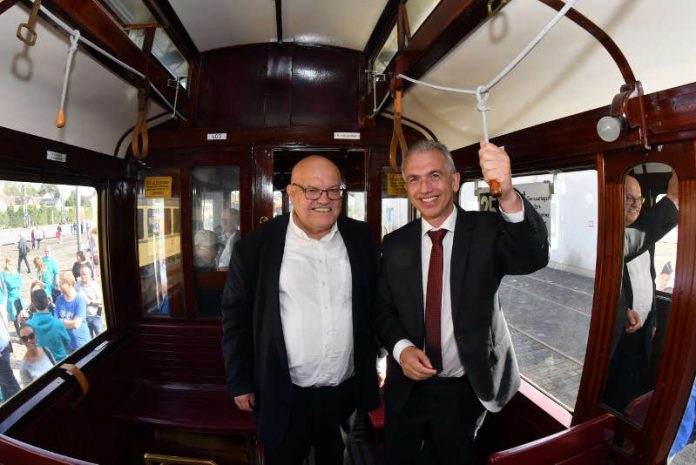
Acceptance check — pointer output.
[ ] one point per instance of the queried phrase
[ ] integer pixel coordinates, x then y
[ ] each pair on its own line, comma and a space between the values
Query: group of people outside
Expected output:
51, 311
306, 307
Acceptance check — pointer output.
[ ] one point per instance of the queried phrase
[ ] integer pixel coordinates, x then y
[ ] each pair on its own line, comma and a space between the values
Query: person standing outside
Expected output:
50, 331
22, 250
438, 311
92, 293
72, 310
36, 361
297, 319
12, 283
8, 383
52, 268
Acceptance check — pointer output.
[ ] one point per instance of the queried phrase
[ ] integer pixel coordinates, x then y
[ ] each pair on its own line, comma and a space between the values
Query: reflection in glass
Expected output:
395, 206
215, 216
641, 318
159, 248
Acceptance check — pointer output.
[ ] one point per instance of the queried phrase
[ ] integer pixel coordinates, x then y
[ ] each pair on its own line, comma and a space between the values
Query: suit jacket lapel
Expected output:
458, 262
276, 250
350, 242
412, 279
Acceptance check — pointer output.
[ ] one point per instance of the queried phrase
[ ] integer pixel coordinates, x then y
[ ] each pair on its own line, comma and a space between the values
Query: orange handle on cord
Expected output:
60, 118
495, 190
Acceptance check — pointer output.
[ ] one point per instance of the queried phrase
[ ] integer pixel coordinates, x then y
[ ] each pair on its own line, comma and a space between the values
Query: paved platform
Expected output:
548, 313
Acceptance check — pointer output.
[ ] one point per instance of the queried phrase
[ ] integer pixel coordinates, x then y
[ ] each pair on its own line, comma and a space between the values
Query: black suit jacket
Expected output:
253, 344
485, 248
640, 237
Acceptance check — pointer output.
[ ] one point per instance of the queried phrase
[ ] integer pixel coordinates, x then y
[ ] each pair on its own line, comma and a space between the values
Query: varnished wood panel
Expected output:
278, 85
325, 88
231, 87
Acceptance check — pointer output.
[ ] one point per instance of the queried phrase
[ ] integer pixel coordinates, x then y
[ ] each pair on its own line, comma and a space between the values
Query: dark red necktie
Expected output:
433, 301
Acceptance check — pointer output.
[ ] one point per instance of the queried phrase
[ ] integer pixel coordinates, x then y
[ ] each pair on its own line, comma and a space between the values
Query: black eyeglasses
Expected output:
313, 193
28, 337
631, 199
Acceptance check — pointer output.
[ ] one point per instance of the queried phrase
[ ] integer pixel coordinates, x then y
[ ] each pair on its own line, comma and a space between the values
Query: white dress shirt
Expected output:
451, 364
316, 308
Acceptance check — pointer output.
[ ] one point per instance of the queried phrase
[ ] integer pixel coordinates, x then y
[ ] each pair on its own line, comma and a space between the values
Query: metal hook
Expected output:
30, 25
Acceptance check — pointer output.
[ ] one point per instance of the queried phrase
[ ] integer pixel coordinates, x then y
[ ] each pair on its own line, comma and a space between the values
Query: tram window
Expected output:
548, 312
666, 259
215, 229
418, 11
42, 229
386, 53
395, 206
163, 49
278, 203
356, 205
159, 250
642, 315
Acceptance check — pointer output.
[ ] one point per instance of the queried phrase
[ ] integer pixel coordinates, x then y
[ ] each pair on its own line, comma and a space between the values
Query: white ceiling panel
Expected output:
331, 22
223, 23
569, 71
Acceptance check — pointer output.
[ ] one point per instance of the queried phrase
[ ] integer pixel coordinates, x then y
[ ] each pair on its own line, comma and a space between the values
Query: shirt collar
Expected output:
298, 232
448, 224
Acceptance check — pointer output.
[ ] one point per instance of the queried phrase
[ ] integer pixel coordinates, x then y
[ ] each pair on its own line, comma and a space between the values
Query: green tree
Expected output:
50, 189
12, 189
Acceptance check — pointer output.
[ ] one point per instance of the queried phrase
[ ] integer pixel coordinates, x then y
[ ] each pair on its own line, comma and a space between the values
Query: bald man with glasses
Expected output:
297, 321
635, 321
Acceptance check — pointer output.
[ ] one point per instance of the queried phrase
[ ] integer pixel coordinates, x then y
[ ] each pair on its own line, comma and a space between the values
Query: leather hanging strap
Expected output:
79, 377
140, 143
398, 141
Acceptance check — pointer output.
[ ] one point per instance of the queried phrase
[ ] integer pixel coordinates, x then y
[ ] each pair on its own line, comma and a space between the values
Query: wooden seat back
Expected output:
585, 444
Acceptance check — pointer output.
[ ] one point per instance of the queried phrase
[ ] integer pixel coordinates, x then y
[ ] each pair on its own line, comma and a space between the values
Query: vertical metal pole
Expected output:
77, 216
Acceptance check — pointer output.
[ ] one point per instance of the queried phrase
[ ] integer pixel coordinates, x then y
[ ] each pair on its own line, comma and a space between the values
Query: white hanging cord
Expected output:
481, 97
482, 92
435, 86
561, 13
74, 41
379, 108
111, 57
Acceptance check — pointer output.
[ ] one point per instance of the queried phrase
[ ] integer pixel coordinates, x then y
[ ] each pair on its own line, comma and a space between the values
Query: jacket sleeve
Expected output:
237, 311
651, 226
523, 247
388, 326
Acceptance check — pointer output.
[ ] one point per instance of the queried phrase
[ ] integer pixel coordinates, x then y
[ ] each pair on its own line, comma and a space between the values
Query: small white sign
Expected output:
347, 135
217, 136
56, 156
537, 193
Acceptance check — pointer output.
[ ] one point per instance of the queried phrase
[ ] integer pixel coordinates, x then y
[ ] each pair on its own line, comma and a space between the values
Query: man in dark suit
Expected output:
635, 320
297, 321
438, 312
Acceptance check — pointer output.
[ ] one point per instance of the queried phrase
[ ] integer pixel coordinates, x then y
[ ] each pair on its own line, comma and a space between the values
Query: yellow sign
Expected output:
395, 184
158, 187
